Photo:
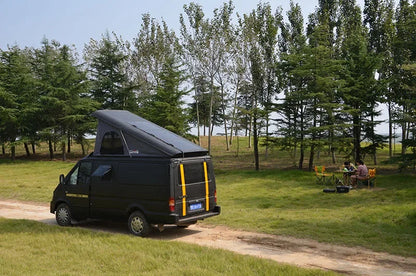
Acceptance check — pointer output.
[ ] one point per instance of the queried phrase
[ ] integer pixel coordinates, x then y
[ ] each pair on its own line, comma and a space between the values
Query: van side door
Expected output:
77, 187
104, 191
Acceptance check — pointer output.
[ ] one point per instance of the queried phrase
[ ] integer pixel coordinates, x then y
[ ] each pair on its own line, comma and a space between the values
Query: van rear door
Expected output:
196, 187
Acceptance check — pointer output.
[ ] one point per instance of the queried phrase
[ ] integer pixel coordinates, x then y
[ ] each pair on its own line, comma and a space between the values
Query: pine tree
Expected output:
404, 54
379, 18
16, 86
360, 94
166, 107
294, 122
107, 74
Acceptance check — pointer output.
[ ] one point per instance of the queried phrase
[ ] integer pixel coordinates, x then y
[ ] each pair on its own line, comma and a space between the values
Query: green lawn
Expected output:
31, 180
277, 200
34, 248
285, 202
291, 203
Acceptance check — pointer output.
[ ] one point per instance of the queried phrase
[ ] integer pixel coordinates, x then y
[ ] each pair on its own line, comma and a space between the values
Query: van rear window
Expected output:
194, 173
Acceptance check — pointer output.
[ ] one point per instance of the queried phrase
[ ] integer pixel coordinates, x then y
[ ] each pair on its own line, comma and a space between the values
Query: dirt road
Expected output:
300, 252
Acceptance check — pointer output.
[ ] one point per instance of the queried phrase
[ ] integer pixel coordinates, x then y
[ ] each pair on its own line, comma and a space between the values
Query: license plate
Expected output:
195, 206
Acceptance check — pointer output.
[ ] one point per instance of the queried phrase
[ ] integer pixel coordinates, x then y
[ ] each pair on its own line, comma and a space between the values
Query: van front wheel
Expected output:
138, 225
63, 215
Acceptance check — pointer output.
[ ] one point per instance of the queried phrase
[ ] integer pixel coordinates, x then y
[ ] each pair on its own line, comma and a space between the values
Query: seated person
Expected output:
348, 170
361, 173
348, 167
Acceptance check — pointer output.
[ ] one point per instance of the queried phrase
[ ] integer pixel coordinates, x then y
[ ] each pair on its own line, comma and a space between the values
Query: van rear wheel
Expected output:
63, 215
138, 224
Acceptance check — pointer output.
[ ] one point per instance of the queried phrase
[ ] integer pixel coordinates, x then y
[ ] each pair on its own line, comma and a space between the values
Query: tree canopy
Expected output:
301, 83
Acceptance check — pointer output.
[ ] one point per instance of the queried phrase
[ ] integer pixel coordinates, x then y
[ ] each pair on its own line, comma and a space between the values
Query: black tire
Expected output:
138, 224
63, 215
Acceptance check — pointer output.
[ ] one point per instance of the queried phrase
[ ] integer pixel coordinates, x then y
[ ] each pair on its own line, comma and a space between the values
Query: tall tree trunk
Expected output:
233, 114
311, 157
50, 148
3, 149
69, 143
404, 131
238, 145
390, 130
256, 143
332, 148
63, 151
224, 117
13, 152
197, 113
83, 148
33, 147
302, 136
356, 129
266, 153
312, 152
211, 102
26, 149
373, 139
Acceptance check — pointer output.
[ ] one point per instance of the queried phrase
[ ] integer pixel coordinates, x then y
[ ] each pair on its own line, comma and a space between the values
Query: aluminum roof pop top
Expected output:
159, 138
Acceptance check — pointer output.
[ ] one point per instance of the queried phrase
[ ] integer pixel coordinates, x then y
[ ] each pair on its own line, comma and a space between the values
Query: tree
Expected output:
293, 124
210, 52
404, 54
60, 83
324, 86
223, 30
259, 33
16, 88
360, 94
166, 106
191, 44
154, 46
107, 73
379, 17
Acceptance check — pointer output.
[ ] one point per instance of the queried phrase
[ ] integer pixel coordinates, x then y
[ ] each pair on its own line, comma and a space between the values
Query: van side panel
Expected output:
137, 184
166, 190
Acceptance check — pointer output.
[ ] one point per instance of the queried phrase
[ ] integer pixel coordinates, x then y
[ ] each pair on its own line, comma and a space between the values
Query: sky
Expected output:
75, 22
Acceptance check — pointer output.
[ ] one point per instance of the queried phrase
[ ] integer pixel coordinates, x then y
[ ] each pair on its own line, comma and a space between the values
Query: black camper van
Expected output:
139, 172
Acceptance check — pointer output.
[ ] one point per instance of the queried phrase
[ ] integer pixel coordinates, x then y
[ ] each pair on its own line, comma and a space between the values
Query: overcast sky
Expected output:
27, 22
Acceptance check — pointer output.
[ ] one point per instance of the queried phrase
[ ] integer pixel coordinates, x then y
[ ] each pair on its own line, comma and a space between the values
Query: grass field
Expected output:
291, 203
34, 248
276, 200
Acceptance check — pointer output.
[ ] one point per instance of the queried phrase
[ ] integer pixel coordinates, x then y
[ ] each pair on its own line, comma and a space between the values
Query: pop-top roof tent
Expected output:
123, 133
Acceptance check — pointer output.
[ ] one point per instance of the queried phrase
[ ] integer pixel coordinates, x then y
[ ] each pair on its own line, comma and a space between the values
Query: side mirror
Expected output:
61, 179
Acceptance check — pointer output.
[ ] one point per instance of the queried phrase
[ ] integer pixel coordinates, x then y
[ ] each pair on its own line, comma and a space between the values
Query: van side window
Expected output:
85, 169
104, 172
111, 143
74, 177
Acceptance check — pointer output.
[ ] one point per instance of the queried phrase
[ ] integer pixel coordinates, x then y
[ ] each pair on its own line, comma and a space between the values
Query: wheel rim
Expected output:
136, 225
63, 215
